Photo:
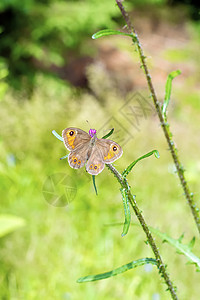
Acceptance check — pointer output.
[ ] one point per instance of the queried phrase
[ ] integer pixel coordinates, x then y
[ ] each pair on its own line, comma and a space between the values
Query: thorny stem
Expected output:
165, 127
161, 267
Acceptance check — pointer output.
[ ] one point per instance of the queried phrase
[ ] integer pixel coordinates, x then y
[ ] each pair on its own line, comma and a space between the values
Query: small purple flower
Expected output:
92, 132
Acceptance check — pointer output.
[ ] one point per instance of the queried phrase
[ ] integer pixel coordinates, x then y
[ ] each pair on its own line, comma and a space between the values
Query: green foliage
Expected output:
9, 223
107, 32
58, 136
122, 269
37, 34
94, 184
147, 2
127, 212
168, 88
36, 259
130, 167
181, 248
123, 191
3, 74
108, 134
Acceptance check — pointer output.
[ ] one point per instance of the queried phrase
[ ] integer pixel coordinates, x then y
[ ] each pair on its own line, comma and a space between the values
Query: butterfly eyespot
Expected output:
95, 167
74, 159
114, 148
71, 133
79, 162
91, 167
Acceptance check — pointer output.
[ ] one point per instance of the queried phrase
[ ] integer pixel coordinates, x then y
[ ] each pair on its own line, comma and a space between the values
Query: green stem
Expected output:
179, 167
161, 266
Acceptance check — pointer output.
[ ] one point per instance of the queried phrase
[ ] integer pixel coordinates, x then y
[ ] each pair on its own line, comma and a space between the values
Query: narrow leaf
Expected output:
95, 188
9, 223
127, 212
191, 243
108, 134
58, 136
168, 88
181, 238
183, 249
122, 269
130, 167
64, 156
107, 32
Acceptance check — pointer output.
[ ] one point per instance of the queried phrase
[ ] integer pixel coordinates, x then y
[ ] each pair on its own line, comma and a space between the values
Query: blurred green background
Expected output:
53, 75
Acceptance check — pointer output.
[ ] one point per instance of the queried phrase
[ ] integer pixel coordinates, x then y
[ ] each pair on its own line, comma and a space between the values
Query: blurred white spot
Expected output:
156, 296
148, 268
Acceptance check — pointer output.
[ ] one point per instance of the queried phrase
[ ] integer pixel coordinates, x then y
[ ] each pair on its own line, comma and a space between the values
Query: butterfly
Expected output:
87, 149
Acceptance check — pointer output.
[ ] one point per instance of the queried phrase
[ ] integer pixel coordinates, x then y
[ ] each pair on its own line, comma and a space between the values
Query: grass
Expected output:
44, 259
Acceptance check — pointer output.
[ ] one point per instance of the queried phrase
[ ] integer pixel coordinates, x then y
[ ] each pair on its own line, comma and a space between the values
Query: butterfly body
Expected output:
87, 149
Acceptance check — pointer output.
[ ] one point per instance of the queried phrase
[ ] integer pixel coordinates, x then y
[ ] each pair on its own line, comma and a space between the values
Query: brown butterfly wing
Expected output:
110, 150
78, 142
95, 164
78, 157
104, 151
74, 138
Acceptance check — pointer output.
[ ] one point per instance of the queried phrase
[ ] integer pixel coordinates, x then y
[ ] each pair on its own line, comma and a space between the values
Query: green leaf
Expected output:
122, 269
58, 136
108, 134
1, 29
66, 156
130, 167
182, 249
168, 88
95, 188
191, 243
107, 32
9, 223
127, 212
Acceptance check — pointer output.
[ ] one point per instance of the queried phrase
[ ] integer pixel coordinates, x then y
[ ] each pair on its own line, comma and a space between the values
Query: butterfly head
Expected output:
92, 132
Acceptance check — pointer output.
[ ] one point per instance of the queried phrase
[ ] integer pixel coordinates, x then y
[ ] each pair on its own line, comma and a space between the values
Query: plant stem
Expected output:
161, 267
165, 127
